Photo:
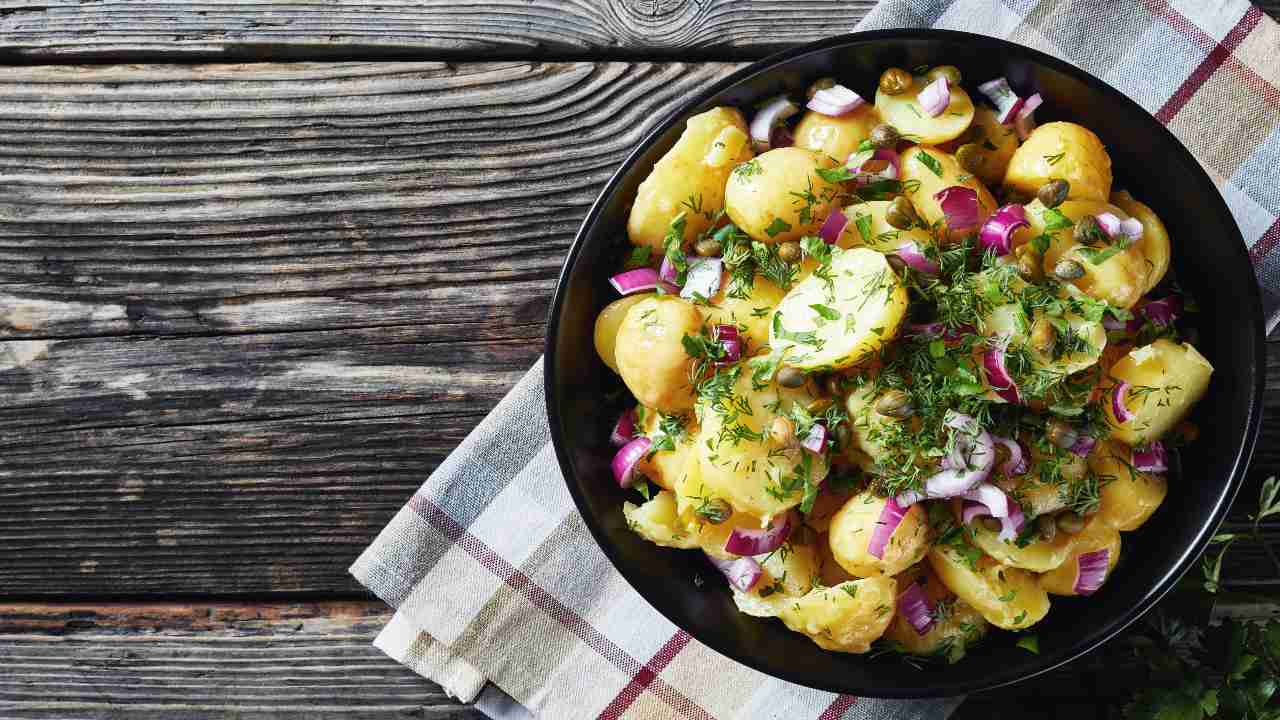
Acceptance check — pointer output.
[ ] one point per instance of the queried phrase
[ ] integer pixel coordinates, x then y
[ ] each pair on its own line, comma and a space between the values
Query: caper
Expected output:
1088, 232
818, 406
835, 384
991, 523
1069, 270
782, 432
1029, 263
971, 157
895, 81
844, 435
790, 377
895, 404
950, 72
708, 247
1046, 527
789, 251
825, 83
1070, 523
1061, 434
901, 213
885, 135
1054, 193
1043, 335
1014, 196
714, 511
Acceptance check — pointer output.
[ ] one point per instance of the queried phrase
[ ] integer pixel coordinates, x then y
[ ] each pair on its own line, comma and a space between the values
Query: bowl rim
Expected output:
997, 678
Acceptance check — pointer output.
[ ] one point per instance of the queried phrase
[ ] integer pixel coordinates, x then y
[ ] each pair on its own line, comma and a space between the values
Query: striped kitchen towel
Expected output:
502, 595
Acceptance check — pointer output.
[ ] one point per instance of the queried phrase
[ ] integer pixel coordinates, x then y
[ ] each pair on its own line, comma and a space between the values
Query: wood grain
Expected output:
62, 30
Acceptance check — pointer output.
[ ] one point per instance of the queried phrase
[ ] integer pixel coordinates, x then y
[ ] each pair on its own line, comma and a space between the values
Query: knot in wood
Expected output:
650, 21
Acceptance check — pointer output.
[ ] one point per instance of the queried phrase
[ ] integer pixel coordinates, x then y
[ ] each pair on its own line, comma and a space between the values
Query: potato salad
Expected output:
903, 369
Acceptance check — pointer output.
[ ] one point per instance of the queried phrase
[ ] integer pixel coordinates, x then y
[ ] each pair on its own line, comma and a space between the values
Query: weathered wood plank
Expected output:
58, 30
217, 660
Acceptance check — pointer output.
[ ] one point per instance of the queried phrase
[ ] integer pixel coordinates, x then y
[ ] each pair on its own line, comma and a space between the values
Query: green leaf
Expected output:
1209, 703
825, 312
1040, 244
1054, 220
776, 227
1097, 256
930, 162
1030, 643
639, 257
864, 227
837, 174
1268, 504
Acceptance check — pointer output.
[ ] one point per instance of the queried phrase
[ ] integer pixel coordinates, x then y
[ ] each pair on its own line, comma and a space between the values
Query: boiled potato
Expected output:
751, 313
1011, 321
1120, 279
851, 531
1165, 379
1129, 497
740, 462
1096, 535
838, 137
904, 113
845, 618
789, 573
956, 626
821, 324
664, 467
1154, 245
917, 165
683, 174
1007, 597
1066, 151
880, 235
829, 570
780, 196
1039, 556
870, 429
690, 495
995, 143
1050, 471
607, 324
651, 356
658, 522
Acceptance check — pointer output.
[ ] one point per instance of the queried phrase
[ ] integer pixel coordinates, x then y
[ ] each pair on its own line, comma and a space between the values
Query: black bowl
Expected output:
1210, 261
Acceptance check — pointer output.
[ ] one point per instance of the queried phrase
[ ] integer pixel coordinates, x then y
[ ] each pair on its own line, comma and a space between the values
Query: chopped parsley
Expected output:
930, 162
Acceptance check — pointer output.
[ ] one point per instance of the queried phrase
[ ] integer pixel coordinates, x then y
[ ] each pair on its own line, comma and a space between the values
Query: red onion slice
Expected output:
1113, 226
835, 101
1002, 96
971, 510
959, 206
1152, 458
1109, 223
913, 256
890, 518
972, 457
624, 463
781, 136
987, 499
1110, 323
1017, 462
624, 431
816, 441
1012, 524
1030, 105
1119, 409
860, 160
742, 573
750, 541
935, 97
772, 114
727, 336
998, 376
668, 277
833, 226
703, 278
913, 605
633, 281
1083, 446
1024, 125
1163, 311
997, 232
1091, 571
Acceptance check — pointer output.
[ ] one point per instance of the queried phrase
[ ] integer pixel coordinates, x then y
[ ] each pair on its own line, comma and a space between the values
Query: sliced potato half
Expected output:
904, 113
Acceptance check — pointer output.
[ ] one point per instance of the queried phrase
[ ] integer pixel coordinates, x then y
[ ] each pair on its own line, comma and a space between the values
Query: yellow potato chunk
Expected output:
904, 113
857, 520
651, 356
1096, 535
1165, 379
995, 144
658, 522
868, 227
1119, 279
1007, 597
1039, 556
607, 324
664, 467
838, 137
1036, 497
1012, 321
1066, 151
780, 196
1129, 497
835, 321
684, 173
935, 170
751, 313
956, 626
740, 461
845, 618
789, 573
1154, 245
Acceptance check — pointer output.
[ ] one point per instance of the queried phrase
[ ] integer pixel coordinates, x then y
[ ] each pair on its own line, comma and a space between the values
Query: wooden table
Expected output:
247, 305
